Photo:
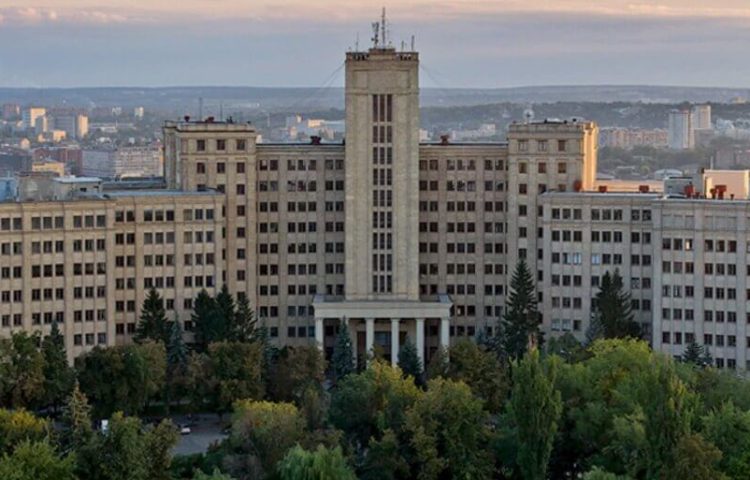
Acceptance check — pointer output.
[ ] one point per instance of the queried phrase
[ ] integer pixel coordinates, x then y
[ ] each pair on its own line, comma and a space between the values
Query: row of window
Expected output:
273, 164
469, 164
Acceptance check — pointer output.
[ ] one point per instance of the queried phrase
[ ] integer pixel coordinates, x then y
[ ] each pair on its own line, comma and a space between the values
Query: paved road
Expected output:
205, 430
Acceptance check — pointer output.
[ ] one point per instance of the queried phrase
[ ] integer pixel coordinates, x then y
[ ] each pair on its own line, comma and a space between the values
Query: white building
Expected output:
123, 162
30, 115
680, 132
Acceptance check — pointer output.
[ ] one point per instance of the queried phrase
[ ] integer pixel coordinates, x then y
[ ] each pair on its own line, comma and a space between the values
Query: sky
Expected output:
462, 43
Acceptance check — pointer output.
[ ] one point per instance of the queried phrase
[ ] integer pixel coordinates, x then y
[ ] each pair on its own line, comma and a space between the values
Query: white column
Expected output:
394, 341
369, 336
420, 339
319, 332
445, 339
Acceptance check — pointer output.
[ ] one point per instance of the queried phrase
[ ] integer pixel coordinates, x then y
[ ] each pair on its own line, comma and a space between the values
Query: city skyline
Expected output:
506, 43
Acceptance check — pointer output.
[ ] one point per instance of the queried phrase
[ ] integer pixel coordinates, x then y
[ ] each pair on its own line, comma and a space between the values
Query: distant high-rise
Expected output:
138, 112
680, 135
701, 117
30, 116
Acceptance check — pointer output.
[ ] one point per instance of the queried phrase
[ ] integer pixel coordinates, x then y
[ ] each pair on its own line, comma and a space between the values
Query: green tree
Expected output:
177, 358
21, 371
206, 321
449, 433
409, 361
216, 475
76, 420
122, 377
613, 315
519, 327
58, 376
366, 404
729, 429
157, 444
536, 407
262, 337
243, 328
153, 324
481, 371
697, 354
321, 464
17, 426
36, 461
237, 369
264, 431
343, 353
385, 459
295, 369
226, 312
438, 365
566, 347
696, 459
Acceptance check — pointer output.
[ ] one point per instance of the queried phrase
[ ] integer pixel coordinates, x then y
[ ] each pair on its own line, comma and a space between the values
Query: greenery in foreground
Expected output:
611, 409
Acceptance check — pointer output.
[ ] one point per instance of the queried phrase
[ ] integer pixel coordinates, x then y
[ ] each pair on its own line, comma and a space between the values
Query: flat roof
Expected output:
158, 193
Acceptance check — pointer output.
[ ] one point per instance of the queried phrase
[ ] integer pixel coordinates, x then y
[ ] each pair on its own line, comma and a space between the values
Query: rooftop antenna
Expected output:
412, 43
375, 34
382, 28
356, 43
221, 111
403, 45
200, 109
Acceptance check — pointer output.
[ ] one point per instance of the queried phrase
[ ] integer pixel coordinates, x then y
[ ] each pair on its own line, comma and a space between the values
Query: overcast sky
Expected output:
463, 43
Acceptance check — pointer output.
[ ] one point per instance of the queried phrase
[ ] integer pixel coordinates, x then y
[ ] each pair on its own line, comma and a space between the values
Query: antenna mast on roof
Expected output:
382, 28
412, 43
375, 34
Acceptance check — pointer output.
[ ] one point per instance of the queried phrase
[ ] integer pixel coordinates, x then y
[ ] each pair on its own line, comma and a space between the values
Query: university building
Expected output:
399, 239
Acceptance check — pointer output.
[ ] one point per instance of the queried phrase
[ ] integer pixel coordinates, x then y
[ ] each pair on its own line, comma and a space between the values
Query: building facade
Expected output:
396, 238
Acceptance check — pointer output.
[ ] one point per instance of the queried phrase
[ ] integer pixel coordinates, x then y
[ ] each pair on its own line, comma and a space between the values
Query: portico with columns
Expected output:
388, 317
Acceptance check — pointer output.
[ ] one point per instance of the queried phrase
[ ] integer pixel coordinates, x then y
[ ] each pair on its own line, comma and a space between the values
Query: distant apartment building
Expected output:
702, 117
138, 112
123, 162
628, 138
31, 115
11, 111
58, 168
75, 126
680, 132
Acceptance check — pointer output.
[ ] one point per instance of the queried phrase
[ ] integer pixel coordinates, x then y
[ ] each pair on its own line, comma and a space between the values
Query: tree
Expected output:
21, 371
296, 369
226, 315
216, 475
322, 464
535, 407
123, 377
520, 325
409, 361
366, 404
482, 371
385, 459
76, 420
153, 324
17, 426
449, 433
729, 429
128, 451
697, 355
36, 461
343, 353
264, 431
261, 336
243, 328
237, 369
438, 365
613, 315
58, 376
205, 321
177, 357
158, 444
696, 459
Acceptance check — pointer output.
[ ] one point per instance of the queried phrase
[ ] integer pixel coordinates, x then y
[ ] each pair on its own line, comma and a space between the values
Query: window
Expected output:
200, 145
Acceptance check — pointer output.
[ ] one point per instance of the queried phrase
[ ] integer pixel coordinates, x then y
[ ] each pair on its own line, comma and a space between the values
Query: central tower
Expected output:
382, 174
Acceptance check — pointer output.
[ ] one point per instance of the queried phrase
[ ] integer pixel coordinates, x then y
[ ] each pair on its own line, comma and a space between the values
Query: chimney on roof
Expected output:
314, 140
187, 118
444, 140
